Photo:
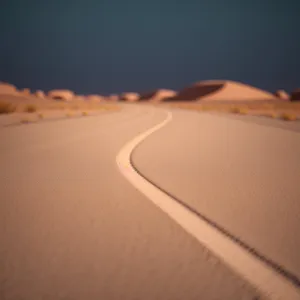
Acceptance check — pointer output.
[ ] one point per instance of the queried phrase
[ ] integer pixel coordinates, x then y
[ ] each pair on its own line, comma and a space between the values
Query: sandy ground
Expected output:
243, 175
74, 228
273, 109
45, 116
48, 109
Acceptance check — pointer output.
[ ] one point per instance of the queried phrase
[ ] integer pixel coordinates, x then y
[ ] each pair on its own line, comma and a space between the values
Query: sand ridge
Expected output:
221, 90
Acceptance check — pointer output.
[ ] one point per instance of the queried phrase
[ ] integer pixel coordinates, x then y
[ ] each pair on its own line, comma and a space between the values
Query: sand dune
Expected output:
157, 95
79, 98
9, 89
95, 98
221, 90
283, 95
40, 94
295, 95
209, 90
25, 92
65, 95
130, 97
112, 98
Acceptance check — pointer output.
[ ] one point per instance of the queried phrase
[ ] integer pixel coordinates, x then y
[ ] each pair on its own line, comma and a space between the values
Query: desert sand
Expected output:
221, 90
215, 95
157, 95
74, 228
16, 108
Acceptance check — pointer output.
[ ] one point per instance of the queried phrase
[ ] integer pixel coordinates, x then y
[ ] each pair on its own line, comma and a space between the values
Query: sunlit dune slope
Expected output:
221, 90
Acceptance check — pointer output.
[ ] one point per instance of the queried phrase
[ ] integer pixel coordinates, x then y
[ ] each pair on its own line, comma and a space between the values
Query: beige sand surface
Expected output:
242, 175
74, 228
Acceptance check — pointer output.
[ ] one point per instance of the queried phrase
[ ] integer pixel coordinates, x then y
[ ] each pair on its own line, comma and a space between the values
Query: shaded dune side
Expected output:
147, 96
295, 95
193, 93
157, 95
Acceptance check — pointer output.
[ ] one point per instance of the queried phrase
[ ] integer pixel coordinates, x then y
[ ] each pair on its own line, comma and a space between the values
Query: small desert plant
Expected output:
7, 108
243, 111
40, 116
30, 108
238, 110
84, 113
235, 110
288, 117
69, 115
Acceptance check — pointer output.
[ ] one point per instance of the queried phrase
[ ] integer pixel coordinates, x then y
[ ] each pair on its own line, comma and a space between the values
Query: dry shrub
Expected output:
30, 108
236, 110
7, 108
288, 117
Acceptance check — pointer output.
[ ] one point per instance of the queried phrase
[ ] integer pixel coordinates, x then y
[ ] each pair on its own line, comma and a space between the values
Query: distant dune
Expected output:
9, 89
95, 98
221, 90
295, 95
283, 95
113, 98
79, 98
40, 94
157, 95
26, 92
130, 97
209, 90
64, 95
20, 100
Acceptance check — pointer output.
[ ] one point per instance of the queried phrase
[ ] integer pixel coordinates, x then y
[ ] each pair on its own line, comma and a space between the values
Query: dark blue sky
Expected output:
107, 46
